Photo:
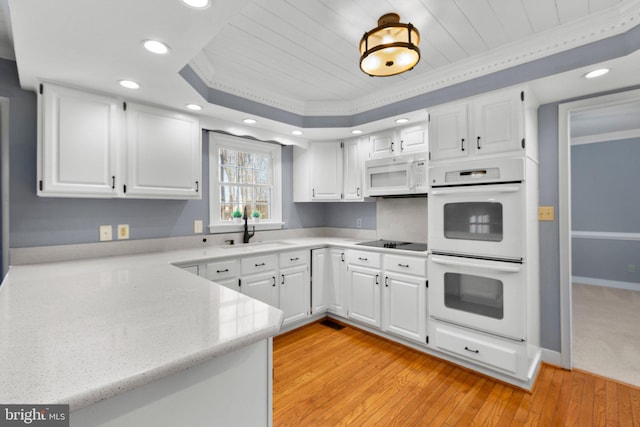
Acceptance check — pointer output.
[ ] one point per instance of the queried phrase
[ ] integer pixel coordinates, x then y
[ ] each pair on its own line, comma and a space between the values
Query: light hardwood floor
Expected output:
329, 377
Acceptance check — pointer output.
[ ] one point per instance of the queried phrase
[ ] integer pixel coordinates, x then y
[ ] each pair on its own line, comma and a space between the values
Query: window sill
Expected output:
232, 227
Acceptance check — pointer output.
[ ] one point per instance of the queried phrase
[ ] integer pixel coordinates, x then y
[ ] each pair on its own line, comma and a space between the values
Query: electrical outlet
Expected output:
106, 233
546, 213
359, 223
631, 268
197, 226
123, 231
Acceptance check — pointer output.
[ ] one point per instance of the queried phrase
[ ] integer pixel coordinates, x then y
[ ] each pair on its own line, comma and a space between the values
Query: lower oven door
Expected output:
482, 294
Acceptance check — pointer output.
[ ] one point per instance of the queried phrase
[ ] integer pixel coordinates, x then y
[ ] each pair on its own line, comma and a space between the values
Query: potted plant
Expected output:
256, 216
237, 215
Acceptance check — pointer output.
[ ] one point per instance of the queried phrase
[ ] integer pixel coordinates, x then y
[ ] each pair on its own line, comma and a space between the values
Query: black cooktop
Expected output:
394, 244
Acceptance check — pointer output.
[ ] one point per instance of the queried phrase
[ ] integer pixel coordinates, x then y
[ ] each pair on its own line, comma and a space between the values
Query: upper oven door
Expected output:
481, 294
481, 220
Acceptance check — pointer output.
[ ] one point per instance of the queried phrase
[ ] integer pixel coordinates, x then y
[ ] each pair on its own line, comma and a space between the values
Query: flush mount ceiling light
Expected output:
596, 73
154, 46
356, 131
194, 107
129, 84
389, 49
296, 132
403, 120
249, 121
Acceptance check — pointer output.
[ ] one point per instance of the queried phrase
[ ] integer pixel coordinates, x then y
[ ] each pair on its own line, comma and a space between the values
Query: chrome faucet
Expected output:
246, 236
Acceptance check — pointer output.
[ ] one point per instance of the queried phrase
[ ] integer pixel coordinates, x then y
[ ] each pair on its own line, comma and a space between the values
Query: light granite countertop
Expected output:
79, 332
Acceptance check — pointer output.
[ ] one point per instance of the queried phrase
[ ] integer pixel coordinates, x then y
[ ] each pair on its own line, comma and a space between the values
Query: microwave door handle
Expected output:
502, 268
474, 190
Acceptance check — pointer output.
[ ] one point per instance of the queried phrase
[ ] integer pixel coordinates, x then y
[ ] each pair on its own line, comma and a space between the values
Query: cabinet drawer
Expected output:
258, 264
405, 264
364, 258
291, 259
222, 269
480, 348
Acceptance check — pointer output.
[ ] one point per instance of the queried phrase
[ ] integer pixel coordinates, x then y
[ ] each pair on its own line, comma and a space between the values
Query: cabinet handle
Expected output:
478, 143
294, 259
274, 281
113, 182
342, 257
401, 145
259, 265
358, 192
392, 144
386, 282
377, 279
403, 265
197, 186
313, 192
363, 259
282, 279
462, 144
472, 351
222, 271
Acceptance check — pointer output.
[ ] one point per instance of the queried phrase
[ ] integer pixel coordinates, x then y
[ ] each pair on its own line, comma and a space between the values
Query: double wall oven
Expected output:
477, 232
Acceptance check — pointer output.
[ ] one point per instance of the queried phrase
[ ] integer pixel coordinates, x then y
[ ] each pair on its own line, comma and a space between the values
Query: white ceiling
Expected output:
297, 56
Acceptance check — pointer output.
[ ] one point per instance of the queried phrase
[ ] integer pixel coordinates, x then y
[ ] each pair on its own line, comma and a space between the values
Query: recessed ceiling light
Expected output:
297, 132
596, 73
154, 46
198, 4
129, 84
249, 121
403, 120
356, 131
194, 107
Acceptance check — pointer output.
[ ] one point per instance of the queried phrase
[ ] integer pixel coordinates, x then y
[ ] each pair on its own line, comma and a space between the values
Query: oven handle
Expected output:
475, 190
503, 268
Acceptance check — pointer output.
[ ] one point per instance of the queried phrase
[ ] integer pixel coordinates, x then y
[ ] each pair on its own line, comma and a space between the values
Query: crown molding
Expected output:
608, 23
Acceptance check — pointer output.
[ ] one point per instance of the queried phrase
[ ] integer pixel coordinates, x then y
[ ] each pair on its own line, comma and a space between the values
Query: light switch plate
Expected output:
546, 213
197, 226
123, 231
106, 233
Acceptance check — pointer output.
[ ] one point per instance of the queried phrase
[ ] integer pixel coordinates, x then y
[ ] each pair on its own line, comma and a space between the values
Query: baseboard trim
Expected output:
630, 286
552, 357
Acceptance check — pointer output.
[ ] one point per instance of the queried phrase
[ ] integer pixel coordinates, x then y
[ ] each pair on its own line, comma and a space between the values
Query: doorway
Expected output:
4, 186
599, 144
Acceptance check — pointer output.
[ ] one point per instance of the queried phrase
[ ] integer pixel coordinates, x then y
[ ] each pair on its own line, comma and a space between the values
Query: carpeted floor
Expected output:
606, 332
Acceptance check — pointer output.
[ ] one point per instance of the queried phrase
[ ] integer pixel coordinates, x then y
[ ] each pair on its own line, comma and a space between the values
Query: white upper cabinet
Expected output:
89, 146
408, 139
353, 164
329, 171
79, 135
163, 154
489, 124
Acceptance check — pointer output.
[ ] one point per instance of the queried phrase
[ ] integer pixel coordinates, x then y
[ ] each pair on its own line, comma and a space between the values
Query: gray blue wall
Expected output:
605, 179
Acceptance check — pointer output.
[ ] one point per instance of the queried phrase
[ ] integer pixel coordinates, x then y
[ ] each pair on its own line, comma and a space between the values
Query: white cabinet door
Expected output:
337, 287
498, 123
229, 283
405, 306
79, 137
326, 171
294, 293
382, 144
320, 276
353, 169
448, 138
262, 287
413, 139
163, 154
364, 298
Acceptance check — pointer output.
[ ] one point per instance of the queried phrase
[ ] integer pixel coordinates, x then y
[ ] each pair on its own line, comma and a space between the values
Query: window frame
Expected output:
217, 141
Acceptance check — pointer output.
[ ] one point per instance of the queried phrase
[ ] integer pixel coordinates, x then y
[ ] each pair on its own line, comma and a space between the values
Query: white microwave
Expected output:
398, 175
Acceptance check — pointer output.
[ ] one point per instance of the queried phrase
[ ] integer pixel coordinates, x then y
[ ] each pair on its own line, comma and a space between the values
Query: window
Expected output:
244, 173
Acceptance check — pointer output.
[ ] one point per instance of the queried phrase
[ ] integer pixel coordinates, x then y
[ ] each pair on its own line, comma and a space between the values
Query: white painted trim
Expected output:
564, 207
606, 137
605, 235
234, 227
4, 191
551, 357
594, 281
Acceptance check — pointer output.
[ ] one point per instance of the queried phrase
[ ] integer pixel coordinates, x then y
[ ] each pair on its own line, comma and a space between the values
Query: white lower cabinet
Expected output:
263, 287
328, 285
294, 299
225, 273
364, 278
405, 306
